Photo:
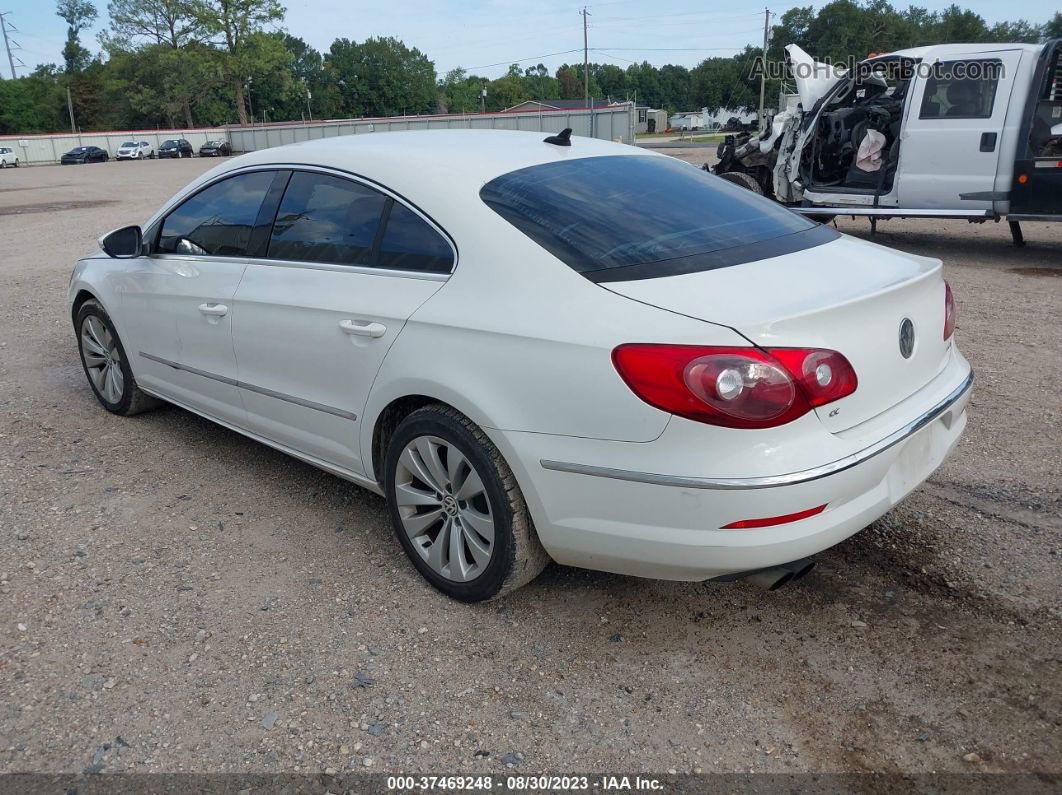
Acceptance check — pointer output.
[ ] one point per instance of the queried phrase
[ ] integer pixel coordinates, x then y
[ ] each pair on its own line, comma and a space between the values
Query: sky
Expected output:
485, 36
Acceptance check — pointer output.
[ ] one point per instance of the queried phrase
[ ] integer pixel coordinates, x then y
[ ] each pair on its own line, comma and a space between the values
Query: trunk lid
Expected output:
847, 295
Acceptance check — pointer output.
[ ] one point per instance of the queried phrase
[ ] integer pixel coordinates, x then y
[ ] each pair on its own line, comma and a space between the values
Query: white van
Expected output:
946, 131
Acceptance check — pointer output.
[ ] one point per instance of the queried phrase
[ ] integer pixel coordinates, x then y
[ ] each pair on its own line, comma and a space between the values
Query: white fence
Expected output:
38, 149
614, 123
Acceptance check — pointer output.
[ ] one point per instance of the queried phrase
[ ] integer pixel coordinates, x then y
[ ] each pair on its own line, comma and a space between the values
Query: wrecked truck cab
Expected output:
957, 130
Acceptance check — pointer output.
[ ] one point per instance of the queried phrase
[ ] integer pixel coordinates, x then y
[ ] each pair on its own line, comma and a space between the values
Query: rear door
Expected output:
347, 265
954, 127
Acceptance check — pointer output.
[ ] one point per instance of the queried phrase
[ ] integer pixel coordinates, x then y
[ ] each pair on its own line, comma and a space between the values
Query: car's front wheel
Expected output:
457, 509
106, 364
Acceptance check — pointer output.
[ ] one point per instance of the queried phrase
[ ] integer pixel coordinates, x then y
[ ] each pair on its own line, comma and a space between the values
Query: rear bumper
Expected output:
669, 527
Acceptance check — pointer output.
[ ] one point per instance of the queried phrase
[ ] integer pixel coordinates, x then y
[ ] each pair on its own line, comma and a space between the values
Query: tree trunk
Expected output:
187, 112
241, 104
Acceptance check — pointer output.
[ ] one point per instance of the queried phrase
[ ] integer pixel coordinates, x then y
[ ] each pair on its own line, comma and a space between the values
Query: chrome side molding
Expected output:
772, 481
261, 390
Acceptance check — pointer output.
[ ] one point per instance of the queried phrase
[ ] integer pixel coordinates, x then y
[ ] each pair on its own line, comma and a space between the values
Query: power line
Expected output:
521, 60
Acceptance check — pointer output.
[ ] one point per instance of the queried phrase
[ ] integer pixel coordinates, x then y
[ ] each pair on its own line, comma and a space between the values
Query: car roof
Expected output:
963, 49
400, 160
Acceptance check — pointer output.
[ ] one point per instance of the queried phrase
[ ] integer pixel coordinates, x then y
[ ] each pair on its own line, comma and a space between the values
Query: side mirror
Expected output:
123, 243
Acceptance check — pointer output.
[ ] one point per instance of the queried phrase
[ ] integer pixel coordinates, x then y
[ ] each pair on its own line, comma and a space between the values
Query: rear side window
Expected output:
409, 243
961, 90
635, 217
218, 220
327, 219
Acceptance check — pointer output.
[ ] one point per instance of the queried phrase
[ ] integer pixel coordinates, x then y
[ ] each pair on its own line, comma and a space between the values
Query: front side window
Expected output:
635, 216
218, 220
961, 90
326, 219
409, 243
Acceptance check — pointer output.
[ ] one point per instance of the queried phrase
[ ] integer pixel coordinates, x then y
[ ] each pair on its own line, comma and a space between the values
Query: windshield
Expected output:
128, 144
213, 143
171, 142
636, 217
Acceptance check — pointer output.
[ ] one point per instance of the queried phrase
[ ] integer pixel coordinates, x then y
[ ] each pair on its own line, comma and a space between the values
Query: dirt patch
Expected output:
1037, 271
49, 207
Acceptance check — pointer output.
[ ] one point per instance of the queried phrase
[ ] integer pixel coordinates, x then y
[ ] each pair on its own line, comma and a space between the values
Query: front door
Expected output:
346, 267
949, 151
178, 301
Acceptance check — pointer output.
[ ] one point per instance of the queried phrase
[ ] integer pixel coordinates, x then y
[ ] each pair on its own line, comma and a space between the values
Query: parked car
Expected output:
84, 154
135, 150
8, 157
562, 348
945, 131
215, 149
176, 147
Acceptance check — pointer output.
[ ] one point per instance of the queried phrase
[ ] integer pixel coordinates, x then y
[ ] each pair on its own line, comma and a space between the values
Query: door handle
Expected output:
988, 142
216, 310
362, 329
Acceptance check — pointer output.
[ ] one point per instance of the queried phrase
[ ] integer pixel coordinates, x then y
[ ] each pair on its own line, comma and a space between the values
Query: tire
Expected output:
743, 180
511, 559
94, 328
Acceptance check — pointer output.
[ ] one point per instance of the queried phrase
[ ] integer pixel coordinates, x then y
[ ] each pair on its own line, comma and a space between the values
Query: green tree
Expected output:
169, 22
382, 77
1053, 28
459, 92
149, 25
78, 14
232, 23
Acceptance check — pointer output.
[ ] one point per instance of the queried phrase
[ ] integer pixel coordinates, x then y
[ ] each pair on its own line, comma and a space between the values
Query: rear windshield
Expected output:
637, 217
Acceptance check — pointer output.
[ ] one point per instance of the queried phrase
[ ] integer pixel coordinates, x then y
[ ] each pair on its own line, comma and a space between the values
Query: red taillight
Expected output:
771, 521
735, 387
949, 312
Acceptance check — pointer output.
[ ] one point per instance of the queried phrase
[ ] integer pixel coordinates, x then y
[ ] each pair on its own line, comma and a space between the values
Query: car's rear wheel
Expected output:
106, 364
457, 509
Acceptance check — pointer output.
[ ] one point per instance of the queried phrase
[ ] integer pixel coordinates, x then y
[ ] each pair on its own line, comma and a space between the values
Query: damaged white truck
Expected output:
948, 131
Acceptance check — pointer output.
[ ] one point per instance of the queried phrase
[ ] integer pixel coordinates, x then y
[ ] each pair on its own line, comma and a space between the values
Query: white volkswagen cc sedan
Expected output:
536, 349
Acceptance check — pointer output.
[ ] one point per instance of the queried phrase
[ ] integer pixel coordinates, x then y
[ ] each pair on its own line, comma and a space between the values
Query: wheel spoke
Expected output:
413, 466
89, 345
437, 553
472, 486
429, 454
480, 551
407, 495
419, 522
93, 359
458, 566
480, 523
455, 462
95, 329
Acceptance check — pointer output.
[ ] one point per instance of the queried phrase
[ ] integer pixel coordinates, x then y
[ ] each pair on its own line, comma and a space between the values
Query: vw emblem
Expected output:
907, 338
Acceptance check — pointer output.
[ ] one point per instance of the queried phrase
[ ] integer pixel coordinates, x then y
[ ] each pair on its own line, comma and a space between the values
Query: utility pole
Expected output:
586, 61
763, 63
70, 110
7, 44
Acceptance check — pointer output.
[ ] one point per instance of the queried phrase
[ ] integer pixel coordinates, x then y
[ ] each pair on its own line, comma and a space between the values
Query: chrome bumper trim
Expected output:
772, 481
261, 390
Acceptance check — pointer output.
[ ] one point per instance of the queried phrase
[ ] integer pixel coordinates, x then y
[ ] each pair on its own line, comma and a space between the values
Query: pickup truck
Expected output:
947, 131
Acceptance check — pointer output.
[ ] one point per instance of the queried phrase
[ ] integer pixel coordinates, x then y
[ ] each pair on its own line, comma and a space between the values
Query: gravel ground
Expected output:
174, 597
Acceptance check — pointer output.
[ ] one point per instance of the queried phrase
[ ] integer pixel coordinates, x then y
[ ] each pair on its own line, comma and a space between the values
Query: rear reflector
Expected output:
745, 524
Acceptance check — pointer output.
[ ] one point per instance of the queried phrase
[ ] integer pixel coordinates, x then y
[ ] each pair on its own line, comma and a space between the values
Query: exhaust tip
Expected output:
801, 568
771, 579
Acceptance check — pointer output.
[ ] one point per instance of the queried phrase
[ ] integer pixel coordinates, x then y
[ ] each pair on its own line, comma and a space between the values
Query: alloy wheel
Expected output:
444, 509
103, 359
